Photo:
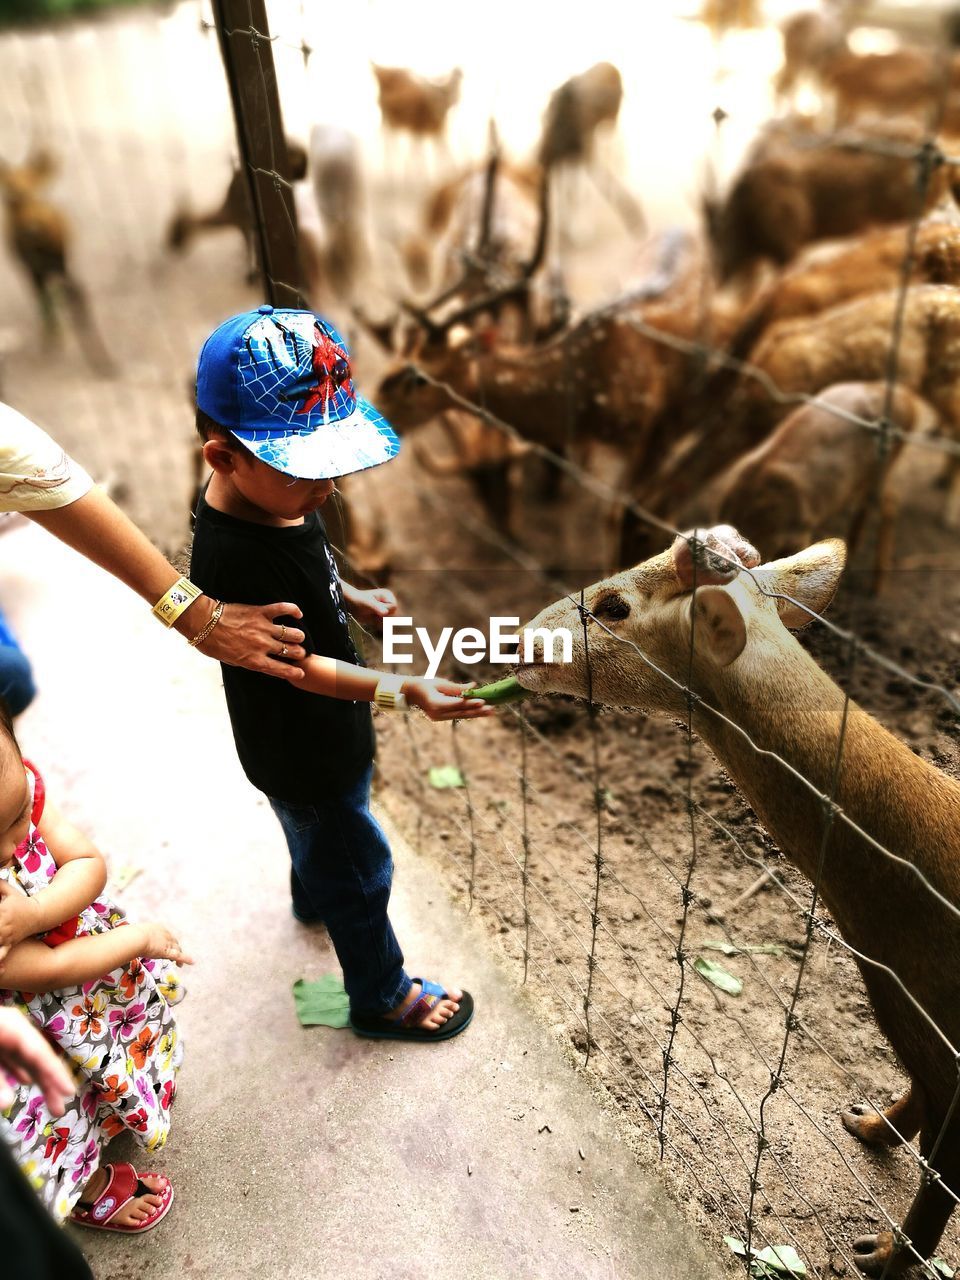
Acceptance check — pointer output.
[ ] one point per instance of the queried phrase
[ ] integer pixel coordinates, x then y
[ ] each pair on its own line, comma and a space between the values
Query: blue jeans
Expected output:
341, 873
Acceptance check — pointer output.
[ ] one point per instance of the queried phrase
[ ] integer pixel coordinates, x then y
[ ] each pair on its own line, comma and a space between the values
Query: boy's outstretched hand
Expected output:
445, 699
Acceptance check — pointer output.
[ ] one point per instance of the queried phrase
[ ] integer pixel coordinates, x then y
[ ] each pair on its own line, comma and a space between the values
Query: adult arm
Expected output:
246, 635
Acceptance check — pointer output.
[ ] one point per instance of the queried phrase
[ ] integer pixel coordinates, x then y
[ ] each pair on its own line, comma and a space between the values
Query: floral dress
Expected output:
118, 1035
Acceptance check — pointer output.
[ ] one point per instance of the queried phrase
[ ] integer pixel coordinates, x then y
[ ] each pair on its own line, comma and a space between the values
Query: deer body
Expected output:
796, 188
819, 473
864, 264
748, 667
847, 343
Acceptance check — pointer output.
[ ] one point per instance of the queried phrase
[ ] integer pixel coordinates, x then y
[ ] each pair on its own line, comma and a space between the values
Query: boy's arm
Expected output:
81, 875
437, 699
33, 966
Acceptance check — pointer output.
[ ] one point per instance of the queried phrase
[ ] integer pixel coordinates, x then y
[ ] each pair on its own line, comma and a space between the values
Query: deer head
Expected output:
643, 624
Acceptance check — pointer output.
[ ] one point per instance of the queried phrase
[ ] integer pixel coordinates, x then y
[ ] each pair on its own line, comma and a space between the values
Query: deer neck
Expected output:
791, 709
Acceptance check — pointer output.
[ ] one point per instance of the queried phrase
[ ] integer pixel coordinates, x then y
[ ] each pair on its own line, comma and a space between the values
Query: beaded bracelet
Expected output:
205, 631
173, 602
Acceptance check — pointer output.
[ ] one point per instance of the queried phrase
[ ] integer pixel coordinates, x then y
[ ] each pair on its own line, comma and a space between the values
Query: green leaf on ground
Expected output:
323, 1003
718, 976
783, 1259
942, 1268
445, 775
744, 948
771, 1263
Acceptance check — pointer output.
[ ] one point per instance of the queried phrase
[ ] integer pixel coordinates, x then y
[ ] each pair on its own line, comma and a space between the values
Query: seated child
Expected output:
277, 410
101, 993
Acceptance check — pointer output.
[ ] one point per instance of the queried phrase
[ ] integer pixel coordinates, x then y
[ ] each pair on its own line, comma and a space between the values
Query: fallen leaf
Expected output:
125, 875
442, 776
942, 1268
323, 1003
718, 976
783, 1259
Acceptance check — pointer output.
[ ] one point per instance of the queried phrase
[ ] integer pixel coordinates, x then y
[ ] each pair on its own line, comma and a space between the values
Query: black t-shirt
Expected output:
293, 745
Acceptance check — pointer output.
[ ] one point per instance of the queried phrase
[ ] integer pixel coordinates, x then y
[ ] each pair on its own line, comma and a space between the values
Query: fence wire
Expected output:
672, 1063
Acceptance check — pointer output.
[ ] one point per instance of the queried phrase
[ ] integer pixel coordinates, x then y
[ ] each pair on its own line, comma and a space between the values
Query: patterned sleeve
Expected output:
35, 473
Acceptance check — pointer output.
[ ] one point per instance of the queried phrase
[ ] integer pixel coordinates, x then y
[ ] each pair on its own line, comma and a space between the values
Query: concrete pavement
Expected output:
310, 1153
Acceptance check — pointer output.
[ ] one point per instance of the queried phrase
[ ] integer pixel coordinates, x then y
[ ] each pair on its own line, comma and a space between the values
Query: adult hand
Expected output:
29, 1058
247, 636
445, 700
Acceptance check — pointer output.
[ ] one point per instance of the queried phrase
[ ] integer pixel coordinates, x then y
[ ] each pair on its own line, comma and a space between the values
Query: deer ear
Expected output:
718, 624
810, 577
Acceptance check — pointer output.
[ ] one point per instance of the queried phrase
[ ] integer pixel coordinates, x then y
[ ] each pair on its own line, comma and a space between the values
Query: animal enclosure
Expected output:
560, 426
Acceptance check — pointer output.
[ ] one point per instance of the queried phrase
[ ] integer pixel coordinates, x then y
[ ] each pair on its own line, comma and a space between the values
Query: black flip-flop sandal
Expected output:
406, 1026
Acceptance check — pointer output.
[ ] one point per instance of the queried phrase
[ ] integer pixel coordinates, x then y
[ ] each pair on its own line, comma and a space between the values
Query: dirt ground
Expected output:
817, 1188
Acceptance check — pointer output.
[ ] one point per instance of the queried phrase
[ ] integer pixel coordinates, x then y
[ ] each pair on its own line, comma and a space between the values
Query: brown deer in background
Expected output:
38, 236
574, 114
802, 357
910, 81
798, 186
410, 103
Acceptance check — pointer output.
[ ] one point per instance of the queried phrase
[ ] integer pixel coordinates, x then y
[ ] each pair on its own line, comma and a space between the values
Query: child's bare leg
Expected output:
140, 1207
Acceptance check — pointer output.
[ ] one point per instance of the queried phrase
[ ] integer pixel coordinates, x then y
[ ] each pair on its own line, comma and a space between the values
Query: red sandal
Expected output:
123, 1185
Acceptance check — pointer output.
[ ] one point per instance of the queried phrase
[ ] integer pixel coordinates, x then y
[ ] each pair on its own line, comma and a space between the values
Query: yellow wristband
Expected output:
173, 602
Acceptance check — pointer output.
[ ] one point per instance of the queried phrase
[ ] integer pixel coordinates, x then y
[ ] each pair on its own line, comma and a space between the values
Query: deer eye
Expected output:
613, 607
414, 378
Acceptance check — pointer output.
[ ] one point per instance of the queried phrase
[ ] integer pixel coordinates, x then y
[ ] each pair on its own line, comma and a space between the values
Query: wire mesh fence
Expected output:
715, 991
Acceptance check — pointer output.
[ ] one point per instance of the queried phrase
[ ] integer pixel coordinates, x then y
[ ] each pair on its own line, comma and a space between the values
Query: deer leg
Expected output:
881, 1255
883, 554
87, 332
48, 311
899, 1123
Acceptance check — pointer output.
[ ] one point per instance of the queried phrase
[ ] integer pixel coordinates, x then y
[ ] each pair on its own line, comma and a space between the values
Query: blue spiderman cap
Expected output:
280, 381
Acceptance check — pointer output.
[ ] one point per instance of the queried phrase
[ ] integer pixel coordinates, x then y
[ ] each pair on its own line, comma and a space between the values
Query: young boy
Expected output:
280, 419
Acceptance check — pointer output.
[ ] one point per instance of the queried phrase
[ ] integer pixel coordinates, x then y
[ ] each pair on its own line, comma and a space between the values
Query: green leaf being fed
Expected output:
718, 976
